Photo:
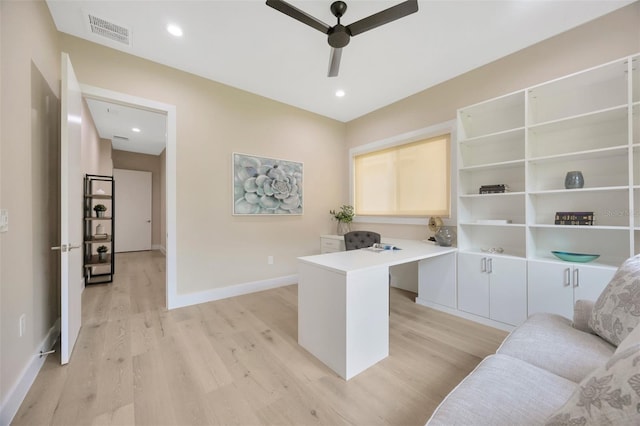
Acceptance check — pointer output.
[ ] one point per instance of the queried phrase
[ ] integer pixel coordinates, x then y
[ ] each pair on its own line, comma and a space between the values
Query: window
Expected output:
405, 180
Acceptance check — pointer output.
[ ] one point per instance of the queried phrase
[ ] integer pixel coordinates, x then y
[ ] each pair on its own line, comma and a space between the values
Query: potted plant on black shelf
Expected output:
344, 217
100, 209
102, 253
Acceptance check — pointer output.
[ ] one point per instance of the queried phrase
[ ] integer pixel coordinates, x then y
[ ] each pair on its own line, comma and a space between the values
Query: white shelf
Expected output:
593, 154
551, 258
494, 225
498, 194
503, 135
486, 253
494, 166
579, 190
581, 227
618, 112
529, 140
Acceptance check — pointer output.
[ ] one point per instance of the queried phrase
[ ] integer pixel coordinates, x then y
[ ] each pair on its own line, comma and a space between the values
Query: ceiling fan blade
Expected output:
299, 15
388, 15
334, 62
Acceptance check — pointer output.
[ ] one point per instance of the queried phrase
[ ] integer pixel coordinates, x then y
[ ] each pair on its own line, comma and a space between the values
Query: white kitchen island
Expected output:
343, 300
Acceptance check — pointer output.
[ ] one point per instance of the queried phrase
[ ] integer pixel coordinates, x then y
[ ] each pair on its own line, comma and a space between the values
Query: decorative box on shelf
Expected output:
493, 189
574, 218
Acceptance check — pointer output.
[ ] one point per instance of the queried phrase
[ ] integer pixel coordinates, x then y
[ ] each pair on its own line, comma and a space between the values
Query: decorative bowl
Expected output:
575, 257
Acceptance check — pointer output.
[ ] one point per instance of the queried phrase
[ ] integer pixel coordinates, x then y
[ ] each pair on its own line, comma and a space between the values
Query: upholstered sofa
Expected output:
554, 371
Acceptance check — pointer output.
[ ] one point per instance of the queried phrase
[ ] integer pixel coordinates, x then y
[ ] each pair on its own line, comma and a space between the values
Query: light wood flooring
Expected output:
237, 362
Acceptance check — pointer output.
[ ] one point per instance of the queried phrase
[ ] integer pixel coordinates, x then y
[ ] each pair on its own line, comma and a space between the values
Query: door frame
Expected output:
97, 93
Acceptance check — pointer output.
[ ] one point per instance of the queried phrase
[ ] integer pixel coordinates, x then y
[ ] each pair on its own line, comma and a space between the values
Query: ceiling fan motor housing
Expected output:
339, 36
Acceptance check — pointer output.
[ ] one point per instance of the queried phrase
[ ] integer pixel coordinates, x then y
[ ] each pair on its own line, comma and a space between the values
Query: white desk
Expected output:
343, 301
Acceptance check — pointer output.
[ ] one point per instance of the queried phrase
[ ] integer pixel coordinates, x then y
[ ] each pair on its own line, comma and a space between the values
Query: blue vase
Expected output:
574, 180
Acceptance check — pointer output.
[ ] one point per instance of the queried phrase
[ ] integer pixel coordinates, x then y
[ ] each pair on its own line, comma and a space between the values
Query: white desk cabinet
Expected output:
343, 301
331, 243
554, 287
493, 287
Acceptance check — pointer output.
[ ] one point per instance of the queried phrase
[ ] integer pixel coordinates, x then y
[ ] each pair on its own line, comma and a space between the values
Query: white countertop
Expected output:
353, 260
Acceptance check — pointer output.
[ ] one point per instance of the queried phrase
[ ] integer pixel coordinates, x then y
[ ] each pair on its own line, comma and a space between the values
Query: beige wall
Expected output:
146, 163
214, 248
30, 74
95, 153
611, 37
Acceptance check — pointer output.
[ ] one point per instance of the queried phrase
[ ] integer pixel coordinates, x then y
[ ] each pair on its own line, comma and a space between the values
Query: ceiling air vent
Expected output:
109, 30
117, 138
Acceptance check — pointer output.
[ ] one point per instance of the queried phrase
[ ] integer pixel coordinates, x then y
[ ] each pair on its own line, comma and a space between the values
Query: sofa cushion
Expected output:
550, 342
631, 340
503, 391
581, 315
617, 310
608, 396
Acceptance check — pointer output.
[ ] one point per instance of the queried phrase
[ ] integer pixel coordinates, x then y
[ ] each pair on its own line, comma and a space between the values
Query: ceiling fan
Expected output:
340, 35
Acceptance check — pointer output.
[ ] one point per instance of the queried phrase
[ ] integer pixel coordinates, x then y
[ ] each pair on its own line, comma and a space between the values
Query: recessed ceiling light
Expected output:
135, 129
174, 30
340, 93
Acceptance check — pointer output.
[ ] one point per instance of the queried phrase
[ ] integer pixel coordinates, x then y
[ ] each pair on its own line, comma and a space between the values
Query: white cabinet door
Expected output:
473, 284
507, 289
554, 287
589, 281
550, 288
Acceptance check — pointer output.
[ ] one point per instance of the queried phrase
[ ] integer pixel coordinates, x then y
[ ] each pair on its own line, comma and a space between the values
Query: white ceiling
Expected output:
248, 45
116, 122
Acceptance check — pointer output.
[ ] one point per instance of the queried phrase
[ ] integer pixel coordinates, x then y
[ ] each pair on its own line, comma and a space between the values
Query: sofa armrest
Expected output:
581, 314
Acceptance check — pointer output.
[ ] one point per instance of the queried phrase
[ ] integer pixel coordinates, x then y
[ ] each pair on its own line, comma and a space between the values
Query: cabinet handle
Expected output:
576, 277
489, 266
483, 264
567, 277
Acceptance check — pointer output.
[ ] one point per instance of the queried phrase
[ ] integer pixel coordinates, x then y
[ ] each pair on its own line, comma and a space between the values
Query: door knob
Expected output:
148, 221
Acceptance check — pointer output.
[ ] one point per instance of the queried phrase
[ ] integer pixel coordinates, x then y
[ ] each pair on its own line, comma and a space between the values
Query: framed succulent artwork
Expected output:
266, 186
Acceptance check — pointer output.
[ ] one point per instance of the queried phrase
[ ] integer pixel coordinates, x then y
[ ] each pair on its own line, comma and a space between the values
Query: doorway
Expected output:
169, 210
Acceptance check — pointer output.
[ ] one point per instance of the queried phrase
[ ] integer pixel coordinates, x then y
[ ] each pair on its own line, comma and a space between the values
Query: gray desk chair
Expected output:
360, 239
355, 240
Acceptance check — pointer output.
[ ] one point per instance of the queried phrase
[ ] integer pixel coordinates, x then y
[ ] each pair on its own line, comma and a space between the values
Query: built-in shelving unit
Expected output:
98, 229
529, 140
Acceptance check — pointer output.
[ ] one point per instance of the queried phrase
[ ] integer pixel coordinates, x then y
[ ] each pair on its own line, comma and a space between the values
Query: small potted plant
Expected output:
344, 217
100, 209
102, 253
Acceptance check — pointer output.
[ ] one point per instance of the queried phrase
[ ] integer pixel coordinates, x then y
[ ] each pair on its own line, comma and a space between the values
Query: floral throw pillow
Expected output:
610, 395
617, 310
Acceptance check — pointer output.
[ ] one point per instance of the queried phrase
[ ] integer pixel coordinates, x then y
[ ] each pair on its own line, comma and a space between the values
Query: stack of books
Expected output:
494, 189
574, 218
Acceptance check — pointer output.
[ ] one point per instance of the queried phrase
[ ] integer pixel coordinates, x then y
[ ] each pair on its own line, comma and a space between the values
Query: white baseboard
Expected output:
475, 318
16, 395
159, 247
189, 299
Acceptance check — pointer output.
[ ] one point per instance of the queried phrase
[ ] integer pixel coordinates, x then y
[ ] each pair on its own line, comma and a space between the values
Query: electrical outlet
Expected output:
270, 260
4, 220
23, 324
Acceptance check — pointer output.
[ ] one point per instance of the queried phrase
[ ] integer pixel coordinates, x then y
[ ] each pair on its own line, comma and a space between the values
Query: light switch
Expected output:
4, 220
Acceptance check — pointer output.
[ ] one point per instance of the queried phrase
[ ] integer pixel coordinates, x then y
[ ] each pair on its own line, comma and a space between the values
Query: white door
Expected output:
132, 210
70, 211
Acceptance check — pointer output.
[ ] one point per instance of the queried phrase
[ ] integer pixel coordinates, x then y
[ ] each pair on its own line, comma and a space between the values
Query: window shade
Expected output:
404, 180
